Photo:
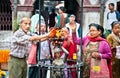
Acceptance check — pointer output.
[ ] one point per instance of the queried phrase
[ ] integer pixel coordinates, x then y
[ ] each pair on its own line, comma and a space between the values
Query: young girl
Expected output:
114, 40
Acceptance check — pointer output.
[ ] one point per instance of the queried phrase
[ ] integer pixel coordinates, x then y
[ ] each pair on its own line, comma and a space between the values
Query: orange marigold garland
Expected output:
4, 56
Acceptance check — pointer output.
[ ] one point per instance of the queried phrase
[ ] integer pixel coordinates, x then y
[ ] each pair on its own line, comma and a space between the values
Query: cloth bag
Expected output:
99, 68
117, 52
32, 54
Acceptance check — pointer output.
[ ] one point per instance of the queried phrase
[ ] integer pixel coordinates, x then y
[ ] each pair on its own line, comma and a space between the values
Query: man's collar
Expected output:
112, 11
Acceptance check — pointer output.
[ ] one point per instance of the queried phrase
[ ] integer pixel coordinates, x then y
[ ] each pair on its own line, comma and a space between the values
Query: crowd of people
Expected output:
95, 45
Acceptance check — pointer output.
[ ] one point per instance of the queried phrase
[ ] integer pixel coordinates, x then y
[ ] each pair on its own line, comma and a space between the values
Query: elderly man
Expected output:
20, 49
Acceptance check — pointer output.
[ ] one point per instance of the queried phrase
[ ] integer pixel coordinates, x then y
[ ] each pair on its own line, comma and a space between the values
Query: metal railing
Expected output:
60, 70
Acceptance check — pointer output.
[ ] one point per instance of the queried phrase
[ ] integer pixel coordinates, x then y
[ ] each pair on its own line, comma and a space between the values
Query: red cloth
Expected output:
71, 48
110, 67
32, 54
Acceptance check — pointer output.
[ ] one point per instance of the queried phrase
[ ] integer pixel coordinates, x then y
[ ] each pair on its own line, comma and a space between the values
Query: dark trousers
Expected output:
33, 72
43, 72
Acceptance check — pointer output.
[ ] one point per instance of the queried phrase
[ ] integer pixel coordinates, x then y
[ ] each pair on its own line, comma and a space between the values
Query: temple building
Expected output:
91, 10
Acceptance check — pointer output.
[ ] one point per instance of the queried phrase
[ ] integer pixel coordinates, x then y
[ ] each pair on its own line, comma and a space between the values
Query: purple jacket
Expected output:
104, 48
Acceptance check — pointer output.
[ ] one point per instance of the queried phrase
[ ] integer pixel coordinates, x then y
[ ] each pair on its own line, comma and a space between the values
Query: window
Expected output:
5, 15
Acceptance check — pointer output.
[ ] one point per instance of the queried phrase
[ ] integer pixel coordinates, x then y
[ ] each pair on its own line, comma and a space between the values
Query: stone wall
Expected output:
21, 14
5, 39
90, 17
